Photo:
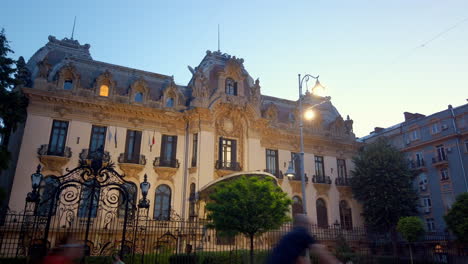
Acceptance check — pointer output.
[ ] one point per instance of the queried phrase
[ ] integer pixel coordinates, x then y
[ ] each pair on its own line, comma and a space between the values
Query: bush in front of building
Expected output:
457, 218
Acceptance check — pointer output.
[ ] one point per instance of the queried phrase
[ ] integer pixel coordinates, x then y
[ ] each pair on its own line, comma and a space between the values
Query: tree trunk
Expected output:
394, 237
251, 249
410, 253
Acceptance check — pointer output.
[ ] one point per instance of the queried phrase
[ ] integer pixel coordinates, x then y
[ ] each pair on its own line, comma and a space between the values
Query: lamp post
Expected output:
144, 186
36, 179
309, 115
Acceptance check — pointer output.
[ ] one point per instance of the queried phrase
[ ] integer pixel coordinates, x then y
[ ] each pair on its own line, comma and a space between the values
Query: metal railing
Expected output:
342, 181
164, 162
44, 150
321, 179
277, 173
135, 158
228, 165
438, 159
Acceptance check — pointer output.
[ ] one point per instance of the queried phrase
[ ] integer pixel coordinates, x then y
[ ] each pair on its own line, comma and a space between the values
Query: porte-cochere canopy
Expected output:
207, 189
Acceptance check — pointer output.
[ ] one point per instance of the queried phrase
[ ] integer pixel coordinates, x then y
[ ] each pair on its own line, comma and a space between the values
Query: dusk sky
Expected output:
376, 58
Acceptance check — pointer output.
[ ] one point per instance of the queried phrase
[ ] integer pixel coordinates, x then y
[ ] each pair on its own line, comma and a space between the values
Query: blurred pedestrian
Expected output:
116, 259
67, 252
292, 248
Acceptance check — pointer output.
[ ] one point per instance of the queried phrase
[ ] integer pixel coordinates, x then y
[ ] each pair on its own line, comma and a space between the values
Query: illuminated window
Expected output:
139, 97
68, 84
104, 90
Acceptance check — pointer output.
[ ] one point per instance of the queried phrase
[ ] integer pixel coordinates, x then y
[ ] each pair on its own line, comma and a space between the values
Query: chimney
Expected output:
411, 116
378, 129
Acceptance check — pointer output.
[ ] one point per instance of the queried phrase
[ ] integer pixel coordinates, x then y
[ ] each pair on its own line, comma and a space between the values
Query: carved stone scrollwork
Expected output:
296, 186
53, 161
345, 192
322, 188
131, 170
165, 173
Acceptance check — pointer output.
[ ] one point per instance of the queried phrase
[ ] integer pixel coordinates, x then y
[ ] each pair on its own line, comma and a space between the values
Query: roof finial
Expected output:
218, 39
73, 30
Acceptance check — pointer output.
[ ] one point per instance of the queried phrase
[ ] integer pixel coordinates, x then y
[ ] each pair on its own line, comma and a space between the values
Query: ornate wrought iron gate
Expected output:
91, 205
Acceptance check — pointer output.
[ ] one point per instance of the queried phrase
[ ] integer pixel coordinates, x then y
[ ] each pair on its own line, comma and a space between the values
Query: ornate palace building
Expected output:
183, 138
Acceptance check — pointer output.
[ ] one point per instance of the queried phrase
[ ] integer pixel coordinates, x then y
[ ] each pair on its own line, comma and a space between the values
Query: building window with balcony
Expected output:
430, 224
162, 203
98, 139
58, 136
341, 164
168, 151
227, 156
322, 215
194, 150
346, 216
319, 166
444, 174
440, 153
132, 147
297, 207
89, 198
272, 161
231, 87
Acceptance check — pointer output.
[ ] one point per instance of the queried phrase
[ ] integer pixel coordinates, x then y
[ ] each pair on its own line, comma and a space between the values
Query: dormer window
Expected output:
170, 102
231, 87
68, 84
104, 90
138, 97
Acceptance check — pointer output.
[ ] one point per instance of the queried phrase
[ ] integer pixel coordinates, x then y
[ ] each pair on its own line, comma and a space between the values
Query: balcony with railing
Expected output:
131, 165
165, 168
321, 179
322, 184
226, 167
85, 154
54, 160
342, 181
440, 160
278, 174
417, 164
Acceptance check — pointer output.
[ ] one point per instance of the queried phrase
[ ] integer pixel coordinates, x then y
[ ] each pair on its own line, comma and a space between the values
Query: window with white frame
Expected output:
430, 224
414, 135
444, 174
435, 128
426, 203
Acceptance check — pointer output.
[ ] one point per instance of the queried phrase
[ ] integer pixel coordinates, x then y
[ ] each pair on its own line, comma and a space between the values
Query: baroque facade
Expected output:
437, 150
184, 138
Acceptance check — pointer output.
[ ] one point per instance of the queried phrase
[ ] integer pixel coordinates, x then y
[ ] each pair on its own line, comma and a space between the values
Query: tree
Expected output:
382, 182
411, 228
248, 205
457, 218
12, 103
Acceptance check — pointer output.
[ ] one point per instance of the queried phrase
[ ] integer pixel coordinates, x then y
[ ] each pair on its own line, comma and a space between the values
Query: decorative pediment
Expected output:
234, 69
171, 96
68, 71
140, 85
271, 113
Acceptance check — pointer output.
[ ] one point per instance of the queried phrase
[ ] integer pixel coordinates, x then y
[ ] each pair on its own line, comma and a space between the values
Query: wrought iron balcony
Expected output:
164, 162
97, 154
417, 164
44, 150
135, 159
227, 165
342, 181
439, 160
297, 177
321, 179
277, 173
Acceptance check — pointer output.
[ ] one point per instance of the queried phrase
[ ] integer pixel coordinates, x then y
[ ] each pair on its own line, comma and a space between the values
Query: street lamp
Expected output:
308, 114
36, 179
144, 186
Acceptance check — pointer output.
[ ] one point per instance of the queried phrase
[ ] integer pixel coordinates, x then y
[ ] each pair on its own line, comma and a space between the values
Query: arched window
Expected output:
68, 84
346, 217
162, 203
297, 205
139, 97
132, 197
170, 102
192, 200
322, 215
48, 194
104, 90
231, 87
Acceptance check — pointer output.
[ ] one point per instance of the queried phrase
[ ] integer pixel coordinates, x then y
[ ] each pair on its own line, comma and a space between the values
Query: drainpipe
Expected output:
458, 145
186, 150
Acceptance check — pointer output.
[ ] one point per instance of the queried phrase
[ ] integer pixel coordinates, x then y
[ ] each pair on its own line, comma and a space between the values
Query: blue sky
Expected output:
368, 53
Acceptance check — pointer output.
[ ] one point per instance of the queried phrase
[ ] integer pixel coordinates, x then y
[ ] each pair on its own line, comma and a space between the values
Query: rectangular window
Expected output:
435, 128
341, 164
444, 174
132, 146
227, 152
440, 153
430, 224
414, 135
426, 202
272, 161
168, 150
98, 139
194, 150
319, 166
58, 136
